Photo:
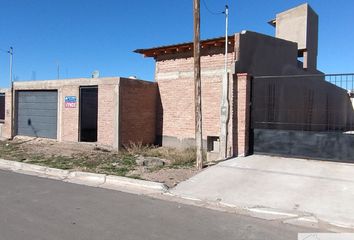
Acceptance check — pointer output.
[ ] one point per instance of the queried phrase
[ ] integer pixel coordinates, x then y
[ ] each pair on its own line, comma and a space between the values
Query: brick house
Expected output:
249, 54
117, 111
108, 111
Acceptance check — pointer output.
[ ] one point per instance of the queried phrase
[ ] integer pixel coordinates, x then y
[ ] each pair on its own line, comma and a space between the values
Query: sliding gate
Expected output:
307, 116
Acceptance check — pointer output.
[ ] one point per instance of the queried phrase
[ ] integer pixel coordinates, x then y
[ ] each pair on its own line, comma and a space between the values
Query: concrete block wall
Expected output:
137, 108
174, 75
262, 55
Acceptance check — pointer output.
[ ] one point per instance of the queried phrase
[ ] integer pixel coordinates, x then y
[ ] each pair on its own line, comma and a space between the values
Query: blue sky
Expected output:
86, 35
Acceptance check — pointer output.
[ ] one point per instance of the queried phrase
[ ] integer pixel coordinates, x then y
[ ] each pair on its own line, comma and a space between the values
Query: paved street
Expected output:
37, 208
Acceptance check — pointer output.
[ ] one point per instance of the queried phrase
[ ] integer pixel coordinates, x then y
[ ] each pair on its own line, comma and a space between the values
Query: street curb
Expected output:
293, 218
161, 191
85, 178
126, 182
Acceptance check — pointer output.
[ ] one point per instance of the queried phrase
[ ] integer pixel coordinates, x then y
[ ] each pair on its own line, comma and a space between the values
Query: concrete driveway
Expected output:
294, 189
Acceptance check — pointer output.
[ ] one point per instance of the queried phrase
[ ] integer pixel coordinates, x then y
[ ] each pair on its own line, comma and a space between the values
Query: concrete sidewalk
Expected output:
297, 190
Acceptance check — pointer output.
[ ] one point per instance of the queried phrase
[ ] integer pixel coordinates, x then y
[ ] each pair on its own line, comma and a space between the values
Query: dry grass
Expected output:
91, 158
175, 157
97, 160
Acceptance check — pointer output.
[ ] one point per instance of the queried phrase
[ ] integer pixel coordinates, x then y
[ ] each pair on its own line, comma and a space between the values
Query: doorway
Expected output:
88, 114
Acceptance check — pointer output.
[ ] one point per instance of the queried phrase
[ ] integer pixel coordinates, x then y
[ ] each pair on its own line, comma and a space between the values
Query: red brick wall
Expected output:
107, 121
174, 75
107, 118
243, 113
137, 113
69, 116
232, 123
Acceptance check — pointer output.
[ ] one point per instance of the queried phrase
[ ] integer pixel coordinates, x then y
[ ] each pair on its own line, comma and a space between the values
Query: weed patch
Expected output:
96, 159
175, 157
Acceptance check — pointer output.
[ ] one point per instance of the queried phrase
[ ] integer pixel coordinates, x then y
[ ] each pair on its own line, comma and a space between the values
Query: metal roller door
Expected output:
36, 114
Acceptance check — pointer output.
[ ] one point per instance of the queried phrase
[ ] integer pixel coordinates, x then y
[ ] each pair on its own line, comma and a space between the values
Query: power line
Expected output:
210, 11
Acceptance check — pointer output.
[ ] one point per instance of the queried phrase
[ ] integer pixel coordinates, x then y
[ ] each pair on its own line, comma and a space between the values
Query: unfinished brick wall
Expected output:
107, 125
232, 123
243, 113
137, 111
69, 123
126, 109
174, 75
107, 129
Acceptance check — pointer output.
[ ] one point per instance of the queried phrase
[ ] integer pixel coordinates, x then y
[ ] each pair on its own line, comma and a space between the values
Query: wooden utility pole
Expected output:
197, 87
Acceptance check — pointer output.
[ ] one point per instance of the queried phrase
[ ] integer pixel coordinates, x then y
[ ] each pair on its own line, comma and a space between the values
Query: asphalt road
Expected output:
37, 208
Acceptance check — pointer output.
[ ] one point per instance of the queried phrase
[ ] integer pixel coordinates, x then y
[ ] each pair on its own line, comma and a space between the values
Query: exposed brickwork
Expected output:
136, 111
107, 125
175, 79
243, 113
133, 113
232, 123
174, 75
178, 108
69, 125
137, 104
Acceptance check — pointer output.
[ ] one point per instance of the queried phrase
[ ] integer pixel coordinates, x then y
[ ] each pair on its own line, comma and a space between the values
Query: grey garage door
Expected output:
36, 114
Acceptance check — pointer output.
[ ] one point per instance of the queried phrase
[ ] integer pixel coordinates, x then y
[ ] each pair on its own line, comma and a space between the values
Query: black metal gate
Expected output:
308, 116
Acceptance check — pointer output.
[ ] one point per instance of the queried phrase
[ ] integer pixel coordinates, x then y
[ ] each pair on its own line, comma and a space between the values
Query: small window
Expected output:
213, 144
2, 107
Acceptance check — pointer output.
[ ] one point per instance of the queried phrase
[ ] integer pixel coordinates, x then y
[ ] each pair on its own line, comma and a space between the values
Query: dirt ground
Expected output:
178, 165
